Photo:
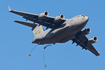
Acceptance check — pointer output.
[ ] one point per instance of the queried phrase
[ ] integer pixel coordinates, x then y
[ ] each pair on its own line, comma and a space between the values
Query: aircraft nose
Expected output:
84, 21
85, 17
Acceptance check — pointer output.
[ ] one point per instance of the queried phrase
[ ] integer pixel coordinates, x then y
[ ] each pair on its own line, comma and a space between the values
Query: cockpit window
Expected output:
83, 15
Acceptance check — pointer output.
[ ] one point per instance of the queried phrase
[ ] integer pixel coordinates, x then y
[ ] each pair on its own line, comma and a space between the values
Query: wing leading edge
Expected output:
83, 42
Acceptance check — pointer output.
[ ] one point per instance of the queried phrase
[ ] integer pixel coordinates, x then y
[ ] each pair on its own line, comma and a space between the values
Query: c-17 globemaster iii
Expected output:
60, 30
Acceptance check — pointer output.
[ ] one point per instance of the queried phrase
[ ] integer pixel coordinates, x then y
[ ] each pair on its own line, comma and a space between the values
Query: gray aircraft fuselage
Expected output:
63, 33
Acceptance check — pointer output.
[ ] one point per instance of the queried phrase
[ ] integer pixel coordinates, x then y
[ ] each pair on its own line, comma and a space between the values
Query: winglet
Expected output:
9, 8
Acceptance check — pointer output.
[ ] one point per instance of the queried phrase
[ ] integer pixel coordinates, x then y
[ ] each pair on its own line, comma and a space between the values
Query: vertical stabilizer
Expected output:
37, 29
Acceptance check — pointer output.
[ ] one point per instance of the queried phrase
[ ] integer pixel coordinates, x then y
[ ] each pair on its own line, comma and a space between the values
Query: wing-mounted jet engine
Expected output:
85, 31
43, 15
58, 18
92, 40
80, 34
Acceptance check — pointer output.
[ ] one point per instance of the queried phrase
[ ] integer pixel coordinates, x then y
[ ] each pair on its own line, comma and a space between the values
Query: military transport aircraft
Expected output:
58, 29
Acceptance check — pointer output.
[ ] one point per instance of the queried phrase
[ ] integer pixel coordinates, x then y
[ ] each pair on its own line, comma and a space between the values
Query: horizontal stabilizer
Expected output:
26, 23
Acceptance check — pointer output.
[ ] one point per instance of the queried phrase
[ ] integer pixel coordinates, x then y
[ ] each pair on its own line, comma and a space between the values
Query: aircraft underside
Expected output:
54, 40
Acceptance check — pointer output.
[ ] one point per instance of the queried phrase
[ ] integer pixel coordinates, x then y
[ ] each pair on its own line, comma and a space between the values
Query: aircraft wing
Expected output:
83, 42
46, 21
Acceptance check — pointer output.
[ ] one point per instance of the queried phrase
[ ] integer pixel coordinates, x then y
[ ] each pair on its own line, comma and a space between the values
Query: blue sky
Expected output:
15, 39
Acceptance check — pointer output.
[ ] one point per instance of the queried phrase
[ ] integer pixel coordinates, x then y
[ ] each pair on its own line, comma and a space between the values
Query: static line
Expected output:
32, 50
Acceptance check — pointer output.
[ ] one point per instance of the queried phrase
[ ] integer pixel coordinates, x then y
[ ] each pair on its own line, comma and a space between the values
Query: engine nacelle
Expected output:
42, 15
85, 31
58, 18
92, 40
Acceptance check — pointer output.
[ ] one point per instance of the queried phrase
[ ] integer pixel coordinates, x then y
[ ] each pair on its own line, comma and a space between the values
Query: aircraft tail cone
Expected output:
30, 54
45, 65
